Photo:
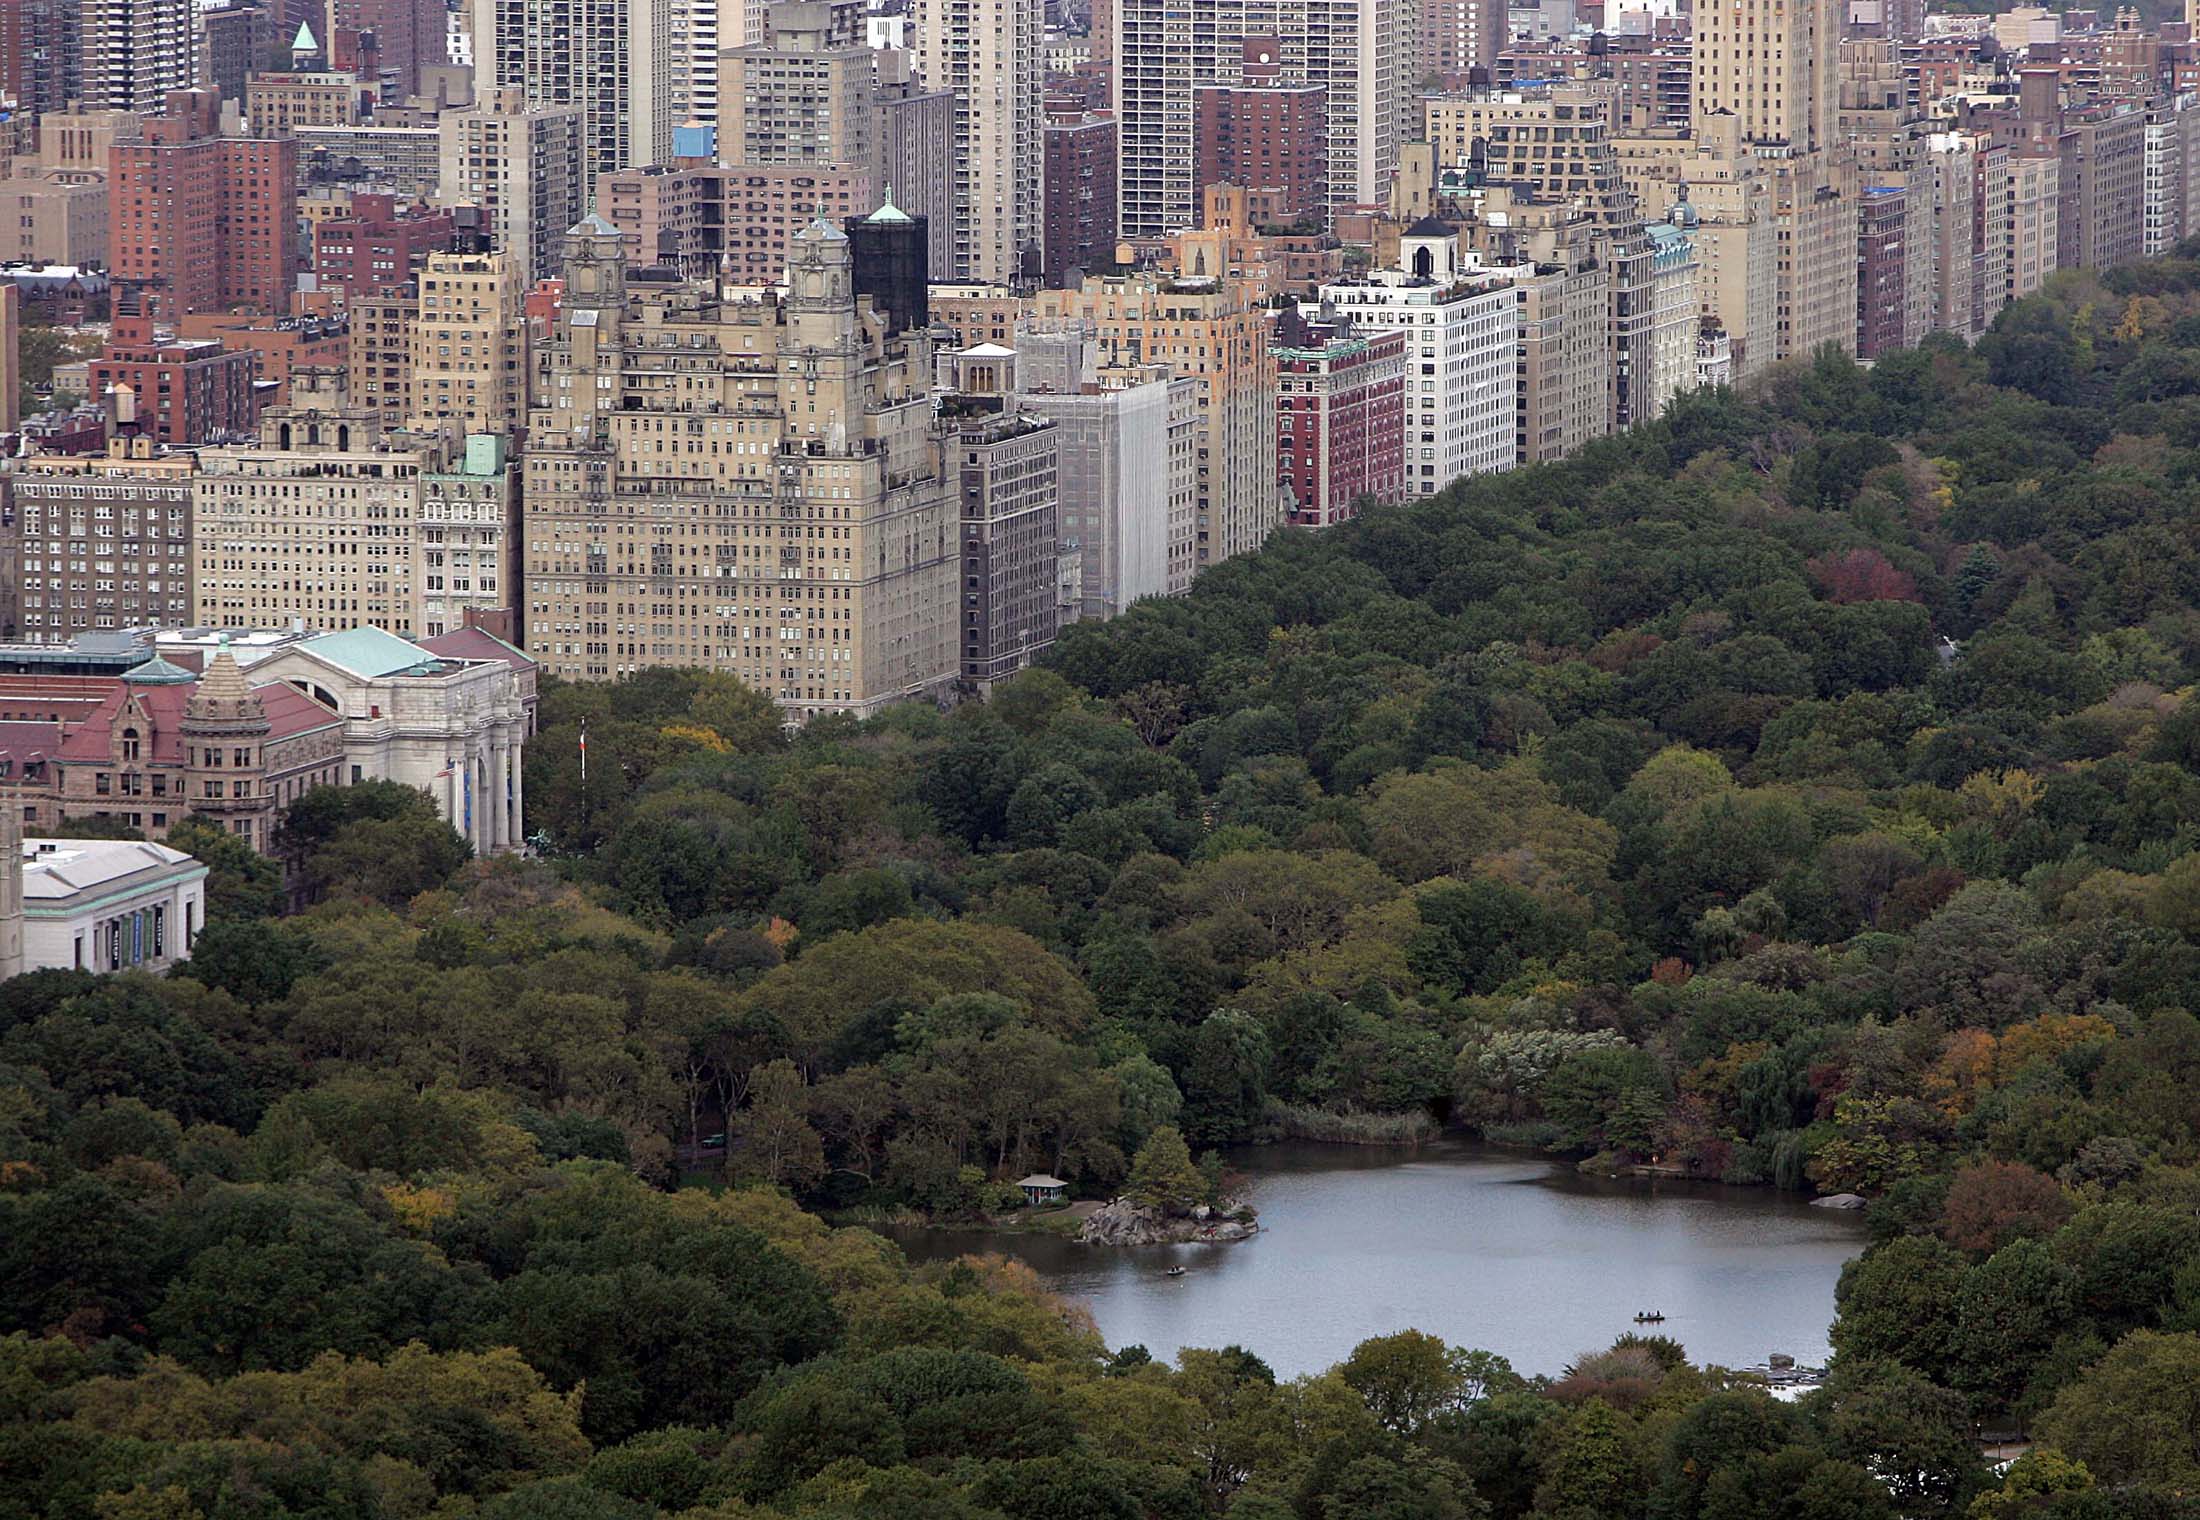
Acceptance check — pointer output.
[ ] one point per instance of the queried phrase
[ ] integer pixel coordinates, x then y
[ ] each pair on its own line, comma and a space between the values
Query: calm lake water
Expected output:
1485, 1248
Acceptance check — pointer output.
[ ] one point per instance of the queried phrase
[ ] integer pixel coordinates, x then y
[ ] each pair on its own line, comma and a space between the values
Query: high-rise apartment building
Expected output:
204, 219
1458, 37
376, 247
468, 352
748, 485
916, 168
804, 94
1882, 269
986, 54
1675, 324
2034, 197
378, 362
1216, 332
277, 104
702, 31
2101, 221
1772, 65
180, 392
408, 37
614, 59
103, 540
135, 53
739, 222
1769, 71
234, 40
41, 53
1348, 48
1006, 465
2164, 178
522, 165
1080, 195
318, 520
53, 216
1265, 135
1564, 383
11, 360
1554, 145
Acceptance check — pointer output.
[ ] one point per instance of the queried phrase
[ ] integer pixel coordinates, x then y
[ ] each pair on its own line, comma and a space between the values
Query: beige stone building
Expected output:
1767, 170
318, 520
276, 105
49, 220
378, 366
748, 485
1729, 202
987, 53
102, 541
1564, 288
1814, 253
2034, 189
469, 534
1214, 332
805, 95
468, 344
524, 166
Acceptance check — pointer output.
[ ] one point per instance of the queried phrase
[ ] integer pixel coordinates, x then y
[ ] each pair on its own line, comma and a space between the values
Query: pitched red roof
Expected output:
21, 742
290, 711
94, 738
474, 644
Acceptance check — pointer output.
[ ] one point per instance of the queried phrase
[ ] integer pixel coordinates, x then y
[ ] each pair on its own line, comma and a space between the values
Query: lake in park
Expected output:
1485, 1248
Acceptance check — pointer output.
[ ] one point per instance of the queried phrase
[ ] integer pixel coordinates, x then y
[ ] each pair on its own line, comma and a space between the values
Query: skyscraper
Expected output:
805, 94
1358, 51
135, 52
986, 52
522, 165
615, 59
206, 219
1773, 65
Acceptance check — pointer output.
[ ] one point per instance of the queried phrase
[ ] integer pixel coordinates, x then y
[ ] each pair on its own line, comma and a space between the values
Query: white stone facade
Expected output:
455, 728
1462, 326
108, 904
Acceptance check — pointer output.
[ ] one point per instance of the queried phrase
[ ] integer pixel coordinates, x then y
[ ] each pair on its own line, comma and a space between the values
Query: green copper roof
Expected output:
304, 42
369, 651
158, 672
888, 211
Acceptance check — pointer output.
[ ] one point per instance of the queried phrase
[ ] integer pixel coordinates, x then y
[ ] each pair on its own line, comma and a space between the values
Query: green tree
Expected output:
1162, 1173
240, 881
1405, 1379
2134, 1418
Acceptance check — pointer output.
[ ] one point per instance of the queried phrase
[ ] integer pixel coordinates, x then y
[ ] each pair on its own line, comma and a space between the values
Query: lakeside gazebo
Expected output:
1040, 1188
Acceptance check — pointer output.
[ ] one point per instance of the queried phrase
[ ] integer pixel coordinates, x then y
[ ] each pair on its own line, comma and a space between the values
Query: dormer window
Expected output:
129, 744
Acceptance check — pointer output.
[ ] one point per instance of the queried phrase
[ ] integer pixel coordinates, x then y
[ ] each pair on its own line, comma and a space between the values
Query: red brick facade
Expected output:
209, 222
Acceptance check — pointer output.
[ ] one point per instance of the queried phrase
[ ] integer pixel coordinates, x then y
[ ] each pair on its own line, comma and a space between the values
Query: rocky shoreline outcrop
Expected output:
1125, 1223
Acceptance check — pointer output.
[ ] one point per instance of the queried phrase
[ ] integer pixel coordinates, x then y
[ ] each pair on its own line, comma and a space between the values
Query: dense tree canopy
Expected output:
1802, 790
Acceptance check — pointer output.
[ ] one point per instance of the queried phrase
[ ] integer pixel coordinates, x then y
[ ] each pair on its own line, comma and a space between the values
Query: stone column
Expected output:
482, 841
454, 799
500, 782
519, 777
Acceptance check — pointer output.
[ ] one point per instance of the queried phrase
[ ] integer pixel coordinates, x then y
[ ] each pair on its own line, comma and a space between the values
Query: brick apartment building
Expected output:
206, 221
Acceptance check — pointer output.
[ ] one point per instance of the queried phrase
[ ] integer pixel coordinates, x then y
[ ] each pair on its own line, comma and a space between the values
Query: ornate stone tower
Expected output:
224, 734
823, 334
